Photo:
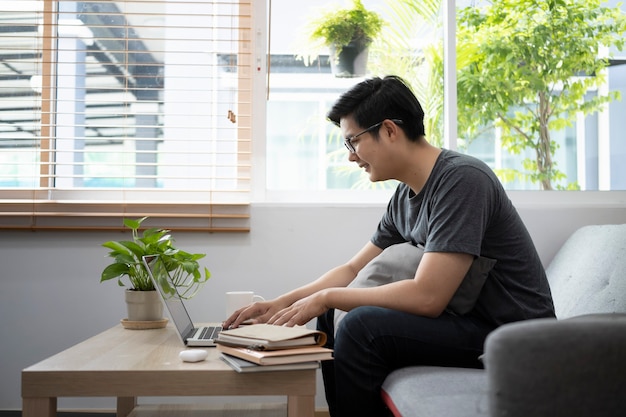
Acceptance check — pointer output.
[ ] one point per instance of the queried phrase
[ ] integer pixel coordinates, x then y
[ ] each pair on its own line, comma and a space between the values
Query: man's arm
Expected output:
437, 278
337, 277
340, 276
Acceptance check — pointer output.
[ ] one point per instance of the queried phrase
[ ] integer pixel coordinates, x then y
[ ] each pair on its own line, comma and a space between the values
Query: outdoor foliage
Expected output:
529, 67
412, 49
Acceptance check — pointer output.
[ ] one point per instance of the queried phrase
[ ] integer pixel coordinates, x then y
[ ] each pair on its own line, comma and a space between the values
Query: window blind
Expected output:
124, 109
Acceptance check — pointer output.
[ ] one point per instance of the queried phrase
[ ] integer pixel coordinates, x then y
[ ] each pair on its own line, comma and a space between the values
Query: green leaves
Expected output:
183, 267
114, 271
529, 65
339, 27
134, 224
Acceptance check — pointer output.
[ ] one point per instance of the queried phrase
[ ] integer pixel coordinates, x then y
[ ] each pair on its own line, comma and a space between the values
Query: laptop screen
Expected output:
174, 304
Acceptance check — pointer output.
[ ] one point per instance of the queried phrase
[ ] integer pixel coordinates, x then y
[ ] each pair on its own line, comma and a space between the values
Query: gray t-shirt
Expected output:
464, 208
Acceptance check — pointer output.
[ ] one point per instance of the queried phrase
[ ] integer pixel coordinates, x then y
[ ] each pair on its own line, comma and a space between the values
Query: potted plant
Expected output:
348, 33
143, 301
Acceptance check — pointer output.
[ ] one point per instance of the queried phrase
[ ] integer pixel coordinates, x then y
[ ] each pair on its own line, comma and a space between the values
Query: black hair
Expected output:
376, 99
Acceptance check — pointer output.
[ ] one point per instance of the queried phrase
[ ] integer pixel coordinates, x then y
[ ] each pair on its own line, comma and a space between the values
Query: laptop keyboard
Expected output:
210, 333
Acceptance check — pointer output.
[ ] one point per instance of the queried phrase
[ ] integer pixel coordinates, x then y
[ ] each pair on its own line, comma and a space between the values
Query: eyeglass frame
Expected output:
348, 141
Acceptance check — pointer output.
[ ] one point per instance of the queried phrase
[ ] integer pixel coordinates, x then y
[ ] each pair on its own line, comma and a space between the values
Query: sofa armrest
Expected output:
547, 368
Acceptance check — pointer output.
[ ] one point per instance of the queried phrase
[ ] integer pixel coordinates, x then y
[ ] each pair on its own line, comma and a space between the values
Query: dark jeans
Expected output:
372, 342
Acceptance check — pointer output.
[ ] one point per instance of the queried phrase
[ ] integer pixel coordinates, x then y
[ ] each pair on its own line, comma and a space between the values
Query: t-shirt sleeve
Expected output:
387, 233
461, 204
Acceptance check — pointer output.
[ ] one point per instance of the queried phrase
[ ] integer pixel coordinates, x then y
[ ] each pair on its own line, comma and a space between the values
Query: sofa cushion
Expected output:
428, 391
588, 274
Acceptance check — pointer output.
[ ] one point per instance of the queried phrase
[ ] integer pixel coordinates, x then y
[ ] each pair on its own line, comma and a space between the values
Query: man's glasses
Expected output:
349, 141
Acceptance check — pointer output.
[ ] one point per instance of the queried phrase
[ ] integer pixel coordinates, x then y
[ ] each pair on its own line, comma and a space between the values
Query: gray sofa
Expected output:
571, 366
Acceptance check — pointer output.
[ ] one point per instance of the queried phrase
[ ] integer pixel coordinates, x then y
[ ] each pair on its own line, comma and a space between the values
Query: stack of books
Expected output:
265, 347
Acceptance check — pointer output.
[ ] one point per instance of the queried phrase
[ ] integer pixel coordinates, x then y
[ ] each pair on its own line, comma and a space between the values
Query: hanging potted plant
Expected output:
348, 33
144, 305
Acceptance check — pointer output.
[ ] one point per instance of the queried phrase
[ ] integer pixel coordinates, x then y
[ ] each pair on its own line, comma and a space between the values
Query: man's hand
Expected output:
258, 312
305, 303
302, 311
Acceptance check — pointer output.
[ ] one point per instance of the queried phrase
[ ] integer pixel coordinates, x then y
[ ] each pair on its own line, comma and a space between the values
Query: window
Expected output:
301, 143
133, 108
129, 108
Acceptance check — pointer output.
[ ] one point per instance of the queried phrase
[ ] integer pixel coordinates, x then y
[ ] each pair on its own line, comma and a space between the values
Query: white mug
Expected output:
237, 299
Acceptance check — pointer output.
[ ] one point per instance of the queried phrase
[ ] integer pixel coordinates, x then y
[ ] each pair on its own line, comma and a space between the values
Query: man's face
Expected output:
369, 153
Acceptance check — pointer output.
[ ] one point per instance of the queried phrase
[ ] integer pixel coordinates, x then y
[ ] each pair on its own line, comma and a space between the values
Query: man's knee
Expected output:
357, 325
366, 316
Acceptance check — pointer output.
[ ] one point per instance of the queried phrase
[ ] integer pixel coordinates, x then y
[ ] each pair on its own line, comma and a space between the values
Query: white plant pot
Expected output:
144, 305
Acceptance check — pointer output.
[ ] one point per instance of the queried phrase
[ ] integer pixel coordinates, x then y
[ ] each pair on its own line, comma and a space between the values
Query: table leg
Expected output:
39, 407
300, 406
125, 405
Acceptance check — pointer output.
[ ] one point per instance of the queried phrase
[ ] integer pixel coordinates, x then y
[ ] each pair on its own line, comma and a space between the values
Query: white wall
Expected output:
51, 298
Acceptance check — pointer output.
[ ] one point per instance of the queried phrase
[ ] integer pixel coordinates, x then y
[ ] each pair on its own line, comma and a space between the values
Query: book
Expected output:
268, 337
243, 366
278, 357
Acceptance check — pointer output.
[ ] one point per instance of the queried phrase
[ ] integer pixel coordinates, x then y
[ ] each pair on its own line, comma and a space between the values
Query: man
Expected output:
454, 207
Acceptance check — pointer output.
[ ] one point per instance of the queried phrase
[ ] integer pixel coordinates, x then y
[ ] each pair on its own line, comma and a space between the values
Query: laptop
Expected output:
190, 335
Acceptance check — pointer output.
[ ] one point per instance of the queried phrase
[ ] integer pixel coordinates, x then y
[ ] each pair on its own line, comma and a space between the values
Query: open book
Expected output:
270, 337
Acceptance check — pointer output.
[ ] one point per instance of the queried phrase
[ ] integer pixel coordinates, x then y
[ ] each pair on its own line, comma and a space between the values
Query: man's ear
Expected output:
391, 129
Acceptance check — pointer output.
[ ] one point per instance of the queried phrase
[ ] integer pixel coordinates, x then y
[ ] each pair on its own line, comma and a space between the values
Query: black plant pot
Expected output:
351, 62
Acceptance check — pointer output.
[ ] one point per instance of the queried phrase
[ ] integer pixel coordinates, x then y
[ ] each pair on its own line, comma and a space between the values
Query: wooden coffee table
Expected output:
128, 364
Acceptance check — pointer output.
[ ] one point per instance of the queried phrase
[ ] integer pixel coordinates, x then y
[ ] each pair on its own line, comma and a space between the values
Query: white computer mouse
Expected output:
193, 355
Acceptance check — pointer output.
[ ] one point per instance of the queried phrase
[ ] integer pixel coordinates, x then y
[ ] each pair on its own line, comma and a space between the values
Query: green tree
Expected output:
528, 66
